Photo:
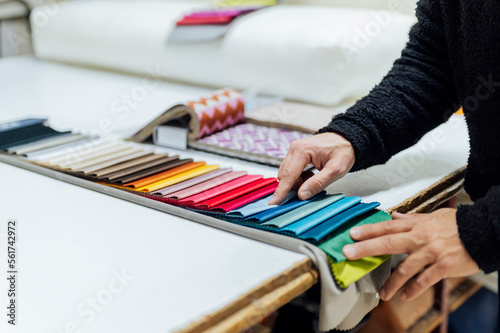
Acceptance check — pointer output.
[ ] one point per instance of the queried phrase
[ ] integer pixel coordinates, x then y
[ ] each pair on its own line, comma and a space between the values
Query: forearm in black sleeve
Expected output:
410, 101
479, 228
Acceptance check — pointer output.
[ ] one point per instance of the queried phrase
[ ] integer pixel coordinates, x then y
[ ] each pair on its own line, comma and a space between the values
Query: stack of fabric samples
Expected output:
211, 24
232, 196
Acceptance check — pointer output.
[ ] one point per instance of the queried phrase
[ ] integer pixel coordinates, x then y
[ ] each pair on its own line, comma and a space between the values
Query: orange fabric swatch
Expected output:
162, 175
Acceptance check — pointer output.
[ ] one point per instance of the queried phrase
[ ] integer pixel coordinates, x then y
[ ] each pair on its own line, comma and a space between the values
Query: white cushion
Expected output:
314, 54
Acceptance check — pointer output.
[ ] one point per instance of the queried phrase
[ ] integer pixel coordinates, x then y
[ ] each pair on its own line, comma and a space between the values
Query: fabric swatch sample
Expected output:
327, 227
129, 165
237, 192
259, 206
123, 151
282, 209
45, 143
255, 139
165, 174
146, 170
219, 110
86, 150
348, 272
47, 154
213, 192
178, 178
247, 198
201, 184
25, 132
311, 221
333, 246
91, 170
301, 212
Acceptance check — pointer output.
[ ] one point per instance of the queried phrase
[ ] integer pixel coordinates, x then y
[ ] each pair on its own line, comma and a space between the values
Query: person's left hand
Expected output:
432, 242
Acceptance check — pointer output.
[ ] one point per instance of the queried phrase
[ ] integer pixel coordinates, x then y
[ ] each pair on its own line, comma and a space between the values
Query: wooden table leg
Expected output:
442, 304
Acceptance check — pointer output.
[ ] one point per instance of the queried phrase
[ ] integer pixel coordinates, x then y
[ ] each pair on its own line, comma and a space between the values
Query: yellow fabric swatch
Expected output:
178, 178
348, 272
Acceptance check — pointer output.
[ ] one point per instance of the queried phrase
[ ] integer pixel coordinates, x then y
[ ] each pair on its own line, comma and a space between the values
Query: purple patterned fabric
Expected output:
255, 139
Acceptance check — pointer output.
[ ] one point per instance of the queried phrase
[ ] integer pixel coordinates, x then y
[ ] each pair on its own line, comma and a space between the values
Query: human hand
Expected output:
330, 153
432, 242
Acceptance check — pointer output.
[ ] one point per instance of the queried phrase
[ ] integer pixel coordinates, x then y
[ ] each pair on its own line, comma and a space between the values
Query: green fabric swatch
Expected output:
347, 272
333, 246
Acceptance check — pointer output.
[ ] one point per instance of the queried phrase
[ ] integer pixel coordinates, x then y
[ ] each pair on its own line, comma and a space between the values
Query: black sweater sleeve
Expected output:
479, 229
415, 96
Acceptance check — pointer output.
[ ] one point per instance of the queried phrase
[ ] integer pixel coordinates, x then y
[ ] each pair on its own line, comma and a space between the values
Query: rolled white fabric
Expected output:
314, 54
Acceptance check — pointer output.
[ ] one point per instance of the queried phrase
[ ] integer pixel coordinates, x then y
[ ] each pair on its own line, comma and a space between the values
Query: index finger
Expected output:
289, 171
389, 244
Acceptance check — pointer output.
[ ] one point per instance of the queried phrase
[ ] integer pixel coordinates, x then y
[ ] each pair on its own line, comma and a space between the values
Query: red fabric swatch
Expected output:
229, 186
238, 192
219, 19
247, 198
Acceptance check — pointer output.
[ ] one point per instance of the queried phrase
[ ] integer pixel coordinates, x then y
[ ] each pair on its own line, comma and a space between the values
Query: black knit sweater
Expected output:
452, 59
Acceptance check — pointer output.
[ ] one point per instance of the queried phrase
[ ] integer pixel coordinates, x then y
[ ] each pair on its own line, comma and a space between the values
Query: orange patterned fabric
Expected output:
219, 110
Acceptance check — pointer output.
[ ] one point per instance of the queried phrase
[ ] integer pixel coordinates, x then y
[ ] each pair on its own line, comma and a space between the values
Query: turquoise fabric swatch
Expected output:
270, 213
327, 227
302, 212
259, 206
309, 222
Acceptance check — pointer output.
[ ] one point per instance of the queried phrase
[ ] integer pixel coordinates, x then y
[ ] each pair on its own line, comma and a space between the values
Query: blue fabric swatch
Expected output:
270, 213
322, 230
321, 215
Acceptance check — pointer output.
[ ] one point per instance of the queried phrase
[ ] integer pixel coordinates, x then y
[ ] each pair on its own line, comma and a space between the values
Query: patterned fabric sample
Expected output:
255, 139
219, 110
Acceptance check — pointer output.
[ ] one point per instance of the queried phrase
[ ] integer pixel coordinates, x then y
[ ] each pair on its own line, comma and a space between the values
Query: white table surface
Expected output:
70, 242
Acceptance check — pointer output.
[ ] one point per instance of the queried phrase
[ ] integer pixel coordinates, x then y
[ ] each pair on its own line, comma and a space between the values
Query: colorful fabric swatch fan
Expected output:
230, 196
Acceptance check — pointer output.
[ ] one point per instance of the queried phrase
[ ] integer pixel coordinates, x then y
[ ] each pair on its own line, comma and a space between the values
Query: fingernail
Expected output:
355, 232
381, 293
349, 251
403, 296
305, 194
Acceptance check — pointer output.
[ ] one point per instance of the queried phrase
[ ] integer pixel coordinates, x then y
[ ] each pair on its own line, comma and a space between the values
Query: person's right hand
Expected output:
330, 153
